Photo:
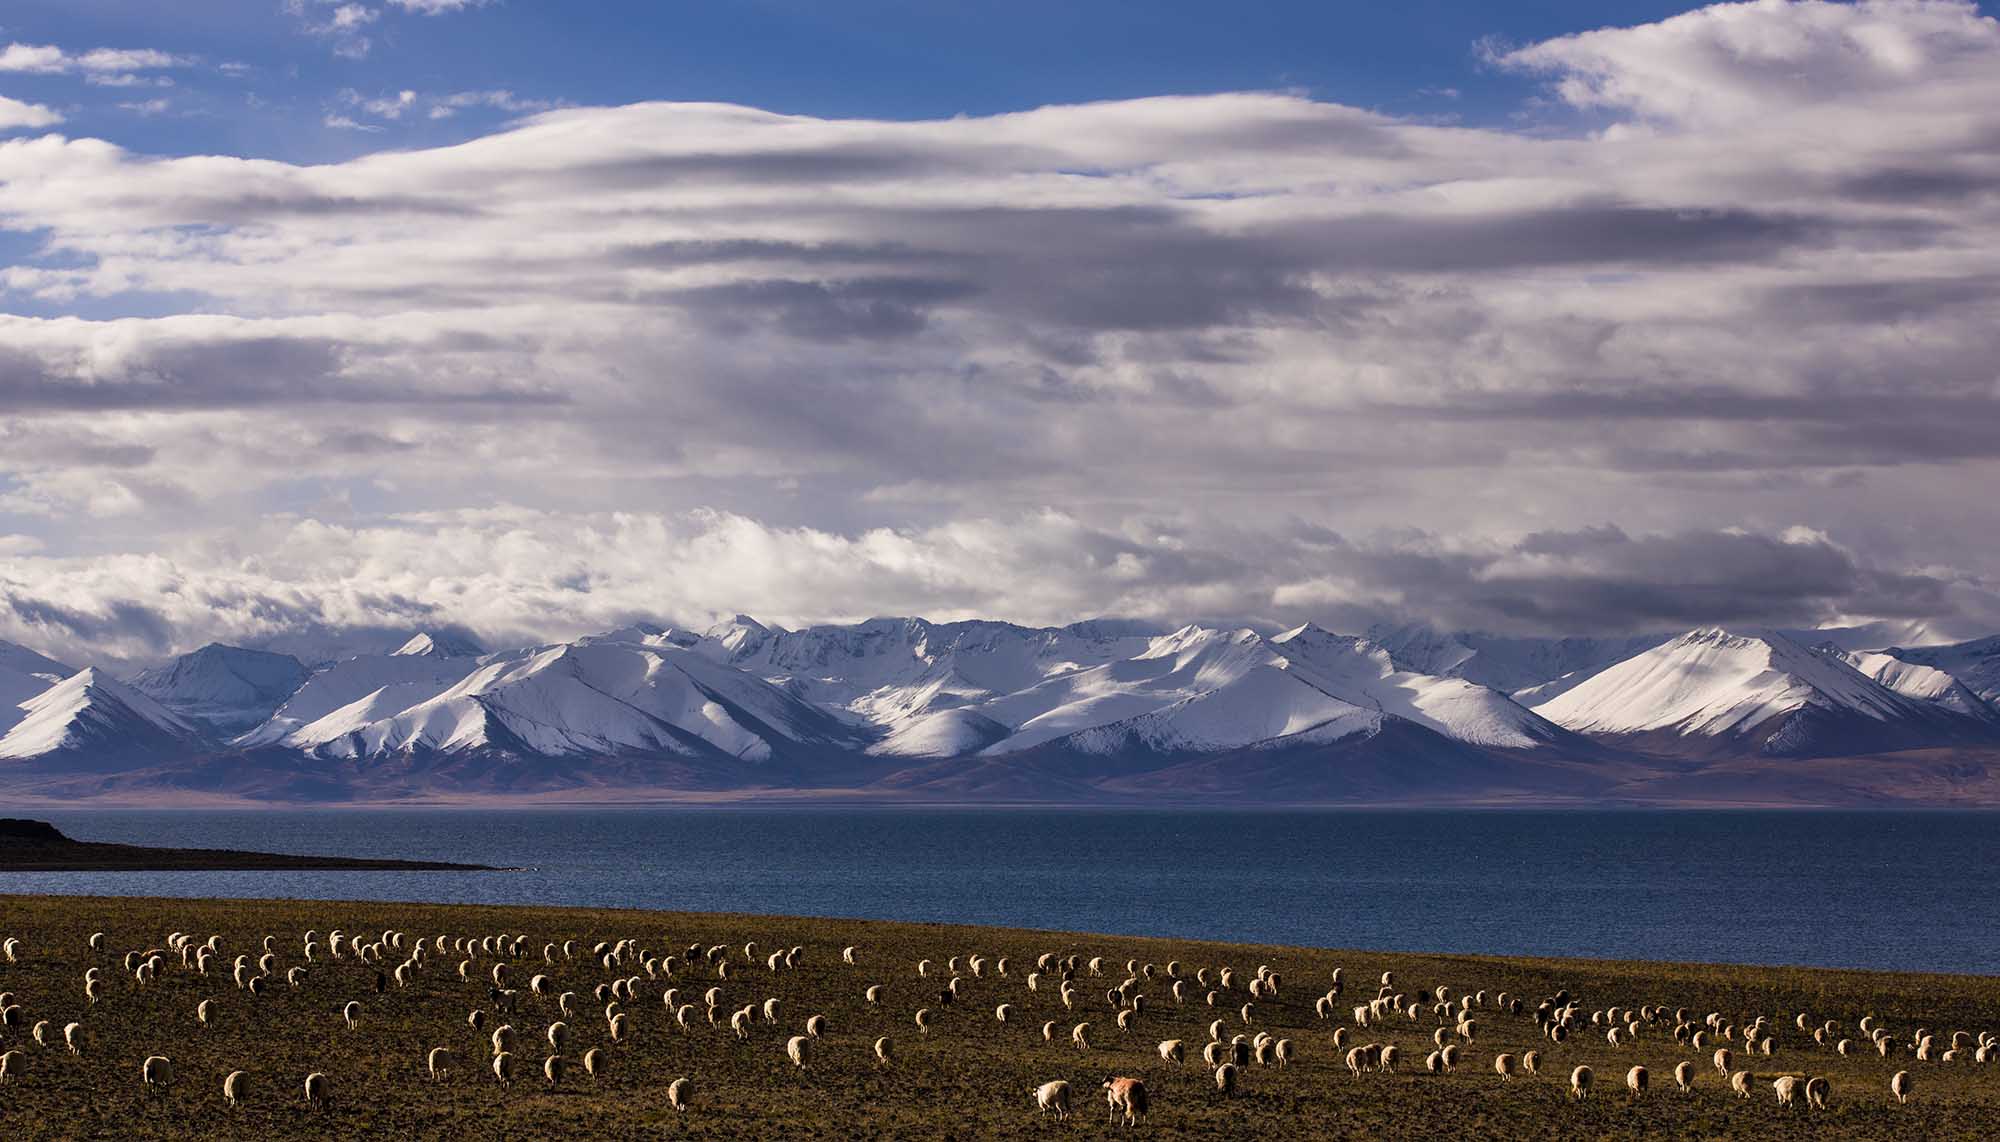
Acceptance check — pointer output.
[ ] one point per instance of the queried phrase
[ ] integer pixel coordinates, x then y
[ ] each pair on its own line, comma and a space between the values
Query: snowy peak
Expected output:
225, 689
1924, 683
91, 711
24, 674
441, 644
1712, 683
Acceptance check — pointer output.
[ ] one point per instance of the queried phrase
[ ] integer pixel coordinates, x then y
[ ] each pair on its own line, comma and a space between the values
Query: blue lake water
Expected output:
1893, 890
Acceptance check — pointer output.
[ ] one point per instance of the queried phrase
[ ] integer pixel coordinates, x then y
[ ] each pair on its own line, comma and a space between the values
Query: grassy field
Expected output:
969, 1078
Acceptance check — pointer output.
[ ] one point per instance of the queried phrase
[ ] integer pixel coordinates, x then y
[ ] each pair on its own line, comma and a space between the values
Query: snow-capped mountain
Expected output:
226, 690
1975, 663
894, 672
904, 707
578, 700
1924, 683
92, 717
440, 644
367, 687
24, 674
1761, 690
1541, 666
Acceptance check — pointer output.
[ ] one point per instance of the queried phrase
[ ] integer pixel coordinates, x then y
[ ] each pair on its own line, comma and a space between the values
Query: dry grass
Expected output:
970, 1078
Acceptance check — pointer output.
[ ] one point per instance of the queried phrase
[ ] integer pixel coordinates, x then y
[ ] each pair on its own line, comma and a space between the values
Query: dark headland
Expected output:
38, 846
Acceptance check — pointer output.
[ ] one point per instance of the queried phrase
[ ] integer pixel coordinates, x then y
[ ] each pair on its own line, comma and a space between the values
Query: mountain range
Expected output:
899, 709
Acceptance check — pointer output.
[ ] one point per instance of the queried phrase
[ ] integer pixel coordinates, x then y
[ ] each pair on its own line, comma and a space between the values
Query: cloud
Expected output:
339, 22
1736, 278
48, 59
438, 7
15, 114
518, 575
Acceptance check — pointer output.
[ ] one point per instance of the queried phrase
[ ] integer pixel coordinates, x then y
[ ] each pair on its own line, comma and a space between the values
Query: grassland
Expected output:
968, 1079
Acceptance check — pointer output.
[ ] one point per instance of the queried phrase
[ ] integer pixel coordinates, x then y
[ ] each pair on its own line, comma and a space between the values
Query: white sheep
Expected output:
552, 1070
503, 1066
799, 1050
1173, 1051
885, 1051
441, 1062
1505, 1065
1579, 1083
1080, 1036
1225, 1079
1900, 1085
1739, 1082
73, 1038
677, 1094
11, 1064
1684, 1076
232, 1088
1053, 1098
318, 1089
351, 1013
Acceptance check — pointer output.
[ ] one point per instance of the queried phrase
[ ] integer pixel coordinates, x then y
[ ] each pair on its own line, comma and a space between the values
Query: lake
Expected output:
1891, 890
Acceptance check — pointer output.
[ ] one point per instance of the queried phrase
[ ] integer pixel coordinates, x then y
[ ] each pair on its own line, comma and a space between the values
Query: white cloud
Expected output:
49, 59
438, 7
16, 114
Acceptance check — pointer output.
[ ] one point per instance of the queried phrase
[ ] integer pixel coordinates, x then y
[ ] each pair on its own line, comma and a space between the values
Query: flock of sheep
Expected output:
526, 998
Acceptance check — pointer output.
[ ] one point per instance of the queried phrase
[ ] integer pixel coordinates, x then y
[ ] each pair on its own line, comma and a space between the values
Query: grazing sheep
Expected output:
593, 1062
1002, 1012
351, 1013
1740, 1083
1053, 1098
1899, 1085
1532, 1062
156, 1074
885, 1051
232, 1088
923, 1020
1225, 1079
552, 1070
1722, 1060
847, 954
1787, 1088
10, 1064
503, 1067
1172, 1051
1684, 1076
799, 1049
1504, 1065
316, 1090
677, 1094
1635, 1081
1579, 1083
440, 1063
1080, 1036
873, 995
1816, 1091
73, 1038
1128, 1095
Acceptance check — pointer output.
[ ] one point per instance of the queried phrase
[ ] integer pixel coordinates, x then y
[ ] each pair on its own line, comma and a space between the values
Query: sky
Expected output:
540, 318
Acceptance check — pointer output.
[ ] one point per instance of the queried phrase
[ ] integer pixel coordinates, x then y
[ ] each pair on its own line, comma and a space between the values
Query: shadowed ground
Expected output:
970, 1078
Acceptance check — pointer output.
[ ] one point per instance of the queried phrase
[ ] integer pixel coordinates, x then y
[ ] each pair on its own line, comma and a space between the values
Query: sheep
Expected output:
1053, 1098
1787, 1089
885, 1051
552, 1070
677, 1095
1128, 1095
1722, 1060
440, 1063
73, 1038
847, 954
1684, 1076
1816, 1091
740, 1022
1003, 1012
1080, 1036
1504, 1065
1740, 1083
156, 1074
923, 1020
1899, 1085
503, 1067
799, 1050
232, 1088
11, 1063
317, 1090
1579, 1083
873, 995
1172, 1051
1225, 1079
351, 1013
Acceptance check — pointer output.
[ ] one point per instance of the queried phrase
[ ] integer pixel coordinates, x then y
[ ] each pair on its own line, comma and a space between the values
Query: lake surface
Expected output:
1893, 890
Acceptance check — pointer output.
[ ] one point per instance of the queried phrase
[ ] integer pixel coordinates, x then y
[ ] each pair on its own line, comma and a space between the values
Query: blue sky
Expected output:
874, 58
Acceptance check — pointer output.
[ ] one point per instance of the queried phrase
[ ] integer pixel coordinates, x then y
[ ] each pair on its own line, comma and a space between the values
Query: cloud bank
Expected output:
1708, 334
